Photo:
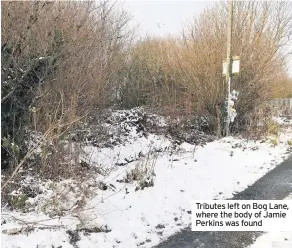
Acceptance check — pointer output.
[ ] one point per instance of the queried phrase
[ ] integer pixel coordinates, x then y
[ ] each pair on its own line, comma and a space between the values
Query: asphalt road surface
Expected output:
275, 185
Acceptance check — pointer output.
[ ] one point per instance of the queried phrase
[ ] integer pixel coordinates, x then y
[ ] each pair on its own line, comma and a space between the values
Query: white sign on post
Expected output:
235, 65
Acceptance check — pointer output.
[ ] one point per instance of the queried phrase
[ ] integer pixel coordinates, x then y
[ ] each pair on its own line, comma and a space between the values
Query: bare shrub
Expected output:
143, 173
185, 75
261, 29
260, 124
150, 74
60, 60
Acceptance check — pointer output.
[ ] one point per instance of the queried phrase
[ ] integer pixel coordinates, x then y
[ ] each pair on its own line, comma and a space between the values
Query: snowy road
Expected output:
275, 185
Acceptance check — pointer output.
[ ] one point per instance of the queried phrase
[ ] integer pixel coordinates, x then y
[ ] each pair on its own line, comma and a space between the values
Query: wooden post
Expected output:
229, 64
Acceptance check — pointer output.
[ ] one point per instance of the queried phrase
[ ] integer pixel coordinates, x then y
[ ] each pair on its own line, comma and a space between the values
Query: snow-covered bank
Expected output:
146, 191
215, 171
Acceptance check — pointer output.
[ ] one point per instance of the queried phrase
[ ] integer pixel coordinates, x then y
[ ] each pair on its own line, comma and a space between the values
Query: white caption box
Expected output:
242, 215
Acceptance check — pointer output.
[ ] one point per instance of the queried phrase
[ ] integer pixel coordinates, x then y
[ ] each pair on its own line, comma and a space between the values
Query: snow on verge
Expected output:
283, 120
143, 218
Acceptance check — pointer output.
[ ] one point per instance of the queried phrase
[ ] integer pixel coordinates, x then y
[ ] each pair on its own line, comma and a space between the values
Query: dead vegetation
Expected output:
184, 76
59, 62
65, 64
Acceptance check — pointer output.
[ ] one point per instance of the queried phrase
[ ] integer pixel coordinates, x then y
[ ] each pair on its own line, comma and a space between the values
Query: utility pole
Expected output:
229, 64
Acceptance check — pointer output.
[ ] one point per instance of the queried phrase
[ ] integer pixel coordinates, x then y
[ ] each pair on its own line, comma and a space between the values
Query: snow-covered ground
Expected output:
150, 183
274, 239
283, 120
